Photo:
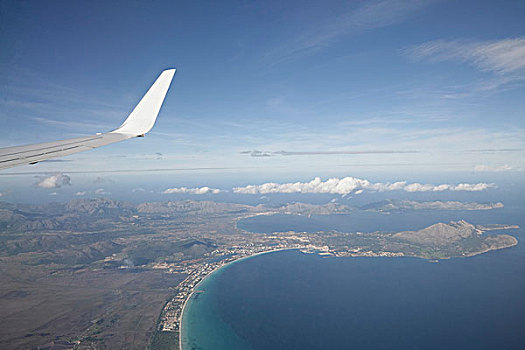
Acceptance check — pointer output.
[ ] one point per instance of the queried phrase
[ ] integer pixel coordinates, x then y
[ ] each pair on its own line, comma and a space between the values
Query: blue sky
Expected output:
432, 88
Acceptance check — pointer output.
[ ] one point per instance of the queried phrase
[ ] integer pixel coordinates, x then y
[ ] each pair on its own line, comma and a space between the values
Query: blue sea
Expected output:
291, 300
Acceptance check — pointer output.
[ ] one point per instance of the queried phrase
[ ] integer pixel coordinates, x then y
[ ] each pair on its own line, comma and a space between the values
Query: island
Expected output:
101, 273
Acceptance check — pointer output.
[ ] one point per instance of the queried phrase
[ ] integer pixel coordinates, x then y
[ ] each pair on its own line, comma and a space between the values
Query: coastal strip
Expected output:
436, 242
204, 277
169, 326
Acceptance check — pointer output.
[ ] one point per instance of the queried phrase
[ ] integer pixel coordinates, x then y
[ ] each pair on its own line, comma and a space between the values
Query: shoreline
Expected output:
211, 273
195, 289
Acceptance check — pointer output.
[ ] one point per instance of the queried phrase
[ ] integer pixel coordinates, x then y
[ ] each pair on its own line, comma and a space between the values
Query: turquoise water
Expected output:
213, 333
291, 300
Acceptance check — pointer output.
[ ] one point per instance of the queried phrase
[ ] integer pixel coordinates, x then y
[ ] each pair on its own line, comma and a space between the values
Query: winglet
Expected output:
143, 117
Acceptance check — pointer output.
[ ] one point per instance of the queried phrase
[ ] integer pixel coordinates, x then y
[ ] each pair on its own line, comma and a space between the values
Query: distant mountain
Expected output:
440, 233
457, 238
97, 213
311, 209
86, 230
99, 207
189, 207
400, 205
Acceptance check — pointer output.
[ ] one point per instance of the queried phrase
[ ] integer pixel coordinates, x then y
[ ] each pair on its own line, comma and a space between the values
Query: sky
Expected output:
427, 92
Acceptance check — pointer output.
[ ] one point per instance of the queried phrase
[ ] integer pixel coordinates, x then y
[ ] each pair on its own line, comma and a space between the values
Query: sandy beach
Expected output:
211, 273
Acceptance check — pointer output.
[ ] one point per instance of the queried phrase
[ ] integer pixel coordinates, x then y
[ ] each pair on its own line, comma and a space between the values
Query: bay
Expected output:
364, 221
291, 300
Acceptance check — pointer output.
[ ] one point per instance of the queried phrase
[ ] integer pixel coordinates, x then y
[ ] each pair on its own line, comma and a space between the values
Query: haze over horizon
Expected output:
420, 92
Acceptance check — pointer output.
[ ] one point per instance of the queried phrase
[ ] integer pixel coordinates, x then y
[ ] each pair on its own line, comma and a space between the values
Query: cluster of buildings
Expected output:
357, 252
196, 270
171, 316
172, 313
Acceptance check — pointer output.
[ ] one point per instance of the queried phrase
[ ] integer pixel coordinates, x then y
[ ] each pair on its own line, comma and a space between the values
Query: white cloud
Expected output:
101, 191
80, 193
349, 185
502, 56
201, 190
54, 181
417, 187
482, 168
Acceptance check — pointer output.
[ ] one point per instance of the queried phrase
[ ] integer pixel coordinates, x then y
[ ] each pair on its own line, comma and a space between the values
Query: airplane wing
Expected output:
138, 123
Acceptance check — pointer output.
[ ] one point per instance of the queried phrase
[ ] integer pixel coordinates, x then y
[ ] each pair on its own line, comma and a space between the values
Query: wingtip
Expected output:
144, 115
170, 72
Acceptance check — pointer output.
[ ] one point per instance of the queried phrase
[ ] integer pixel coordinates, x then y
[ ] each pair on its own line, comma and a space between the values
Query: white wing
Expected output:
138, 123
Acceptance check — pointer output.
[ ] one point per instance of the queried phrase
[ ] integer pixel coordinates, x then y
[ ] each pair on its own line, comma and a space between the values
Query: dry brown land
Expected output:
106, 309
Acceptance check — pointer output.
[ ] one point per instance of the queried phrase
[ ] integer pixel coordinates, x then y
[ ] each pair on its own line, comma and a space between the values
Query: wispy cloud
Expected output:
386, 140
496, 150
350, 185
501, 56
308, 153
70, 124
102, 171
371, 15
54, 181
257, 153
503, 59
33, 98
102, 192
198, 190
493, 168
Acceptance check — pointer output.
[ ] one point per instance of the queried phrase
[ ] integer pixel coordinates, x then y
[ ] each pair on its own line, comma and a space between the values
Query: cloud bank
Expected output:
350, 185
198, 190
54, 181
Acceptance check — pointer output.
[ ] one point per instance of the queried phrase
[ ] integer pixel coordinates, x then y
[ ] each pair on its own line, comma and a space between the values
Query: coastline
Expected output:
390, 270
287, 241
210, 274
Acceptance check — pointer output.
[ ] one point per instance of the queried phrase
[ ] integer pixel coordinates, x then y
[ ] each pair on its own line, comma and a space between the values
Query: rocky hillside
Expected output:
314, 209
457, 238
93, 214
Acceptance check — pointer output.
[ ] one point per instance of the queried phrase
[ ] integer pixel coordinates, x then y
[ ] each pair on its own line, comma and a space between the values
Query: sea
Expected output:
293, 300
